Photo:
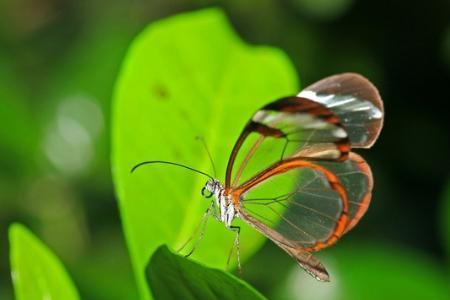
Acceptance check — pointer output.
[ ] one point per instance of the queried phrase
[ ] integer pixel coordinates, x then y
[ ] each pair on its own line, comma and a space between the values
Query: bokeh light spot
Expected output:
70, 138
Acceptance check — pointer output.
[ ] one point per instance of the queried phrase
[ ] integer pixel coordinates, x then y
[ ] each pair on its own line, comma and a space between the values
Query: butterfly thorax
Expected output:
225, 210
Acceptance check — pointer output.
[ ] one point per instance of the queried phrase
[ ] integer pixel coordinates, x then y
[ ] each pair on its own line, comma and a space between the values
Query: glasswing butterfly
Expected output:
291, 174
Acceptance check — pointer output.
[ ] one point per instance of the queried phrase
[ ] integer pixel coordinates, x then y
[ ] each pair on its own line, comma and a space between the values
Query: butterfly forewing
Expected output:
289, 127
355, 101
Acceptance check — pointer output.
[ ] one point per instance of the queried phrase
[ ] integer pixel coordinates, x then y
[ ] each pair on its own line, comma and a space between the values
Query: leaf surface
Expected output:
185, 76
36, 271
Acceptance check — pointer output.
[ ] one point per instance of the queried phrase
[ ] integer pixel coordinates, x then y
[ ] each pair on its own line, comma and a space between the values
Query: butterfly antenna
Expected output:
169, 163
202, 140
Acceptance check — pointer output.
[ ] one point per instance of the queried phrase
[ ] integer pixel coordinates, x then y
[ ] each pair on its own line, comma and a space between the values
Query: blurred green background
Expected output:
58, 64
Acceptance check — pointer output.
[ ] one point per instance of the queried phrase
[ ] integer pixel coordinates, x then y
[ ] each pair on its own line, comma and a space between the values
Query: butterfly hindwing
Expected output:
305, 259
356, 177
303, 201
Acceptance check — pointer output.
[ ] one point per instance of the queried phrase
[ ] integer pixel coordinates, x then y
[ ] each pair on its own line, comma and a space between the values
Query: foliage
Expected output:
185, 76
37, 273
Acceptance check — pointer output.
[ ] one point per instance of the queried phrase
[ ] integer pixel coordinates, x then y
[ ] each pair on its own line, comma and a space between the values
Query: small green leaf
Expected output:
185, 76
174, 277
36, 272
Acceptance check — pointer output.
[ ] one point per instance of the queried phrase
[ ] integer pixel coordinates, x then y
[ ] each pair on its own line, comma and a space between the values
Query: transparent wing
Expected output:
287, 128
356, 102
356, 177
322, 123
305, 259
302, 201
310, 205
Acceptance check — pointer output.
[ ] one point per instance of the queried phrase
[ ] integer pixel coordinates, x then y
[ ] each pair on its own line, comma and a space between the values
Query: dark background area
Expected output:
59, 59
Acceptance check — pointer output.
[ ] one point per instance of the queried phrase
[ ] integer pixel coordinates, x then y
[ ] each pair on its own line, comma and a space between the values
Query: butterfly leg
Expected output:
201, 226
236, 243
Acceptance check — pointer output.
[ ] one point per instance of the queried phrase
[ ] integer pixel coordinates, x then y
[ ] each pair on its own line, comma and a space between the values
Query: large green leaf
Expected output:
185, 76
36, 272
174, 277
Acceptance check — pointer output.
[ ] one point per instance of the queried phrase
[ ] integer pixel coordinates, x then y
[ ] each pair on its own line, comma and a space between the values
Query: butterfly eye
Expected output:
206, 193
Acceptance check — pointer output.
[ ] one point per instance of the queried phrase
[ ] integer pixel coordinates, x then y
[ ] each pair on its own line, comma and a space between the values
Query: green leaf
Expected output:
185, 76
174, 277
36, 272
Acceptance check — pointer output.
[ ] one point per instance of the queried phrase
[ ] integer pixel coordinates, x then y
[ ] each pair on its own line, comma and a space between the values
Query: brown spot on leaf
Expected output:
161, 92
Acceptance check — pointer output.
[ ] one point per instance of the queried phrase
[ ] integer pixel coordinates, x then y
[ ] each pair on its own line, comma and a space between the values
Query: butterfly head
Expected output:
212, 186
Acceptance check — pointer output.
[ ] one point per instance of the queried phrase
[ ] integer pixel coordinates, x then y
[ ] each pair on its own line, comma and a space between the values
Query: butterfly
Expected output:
291, 174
